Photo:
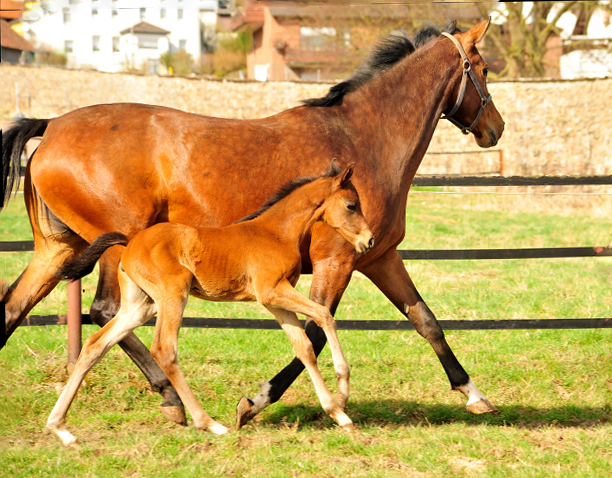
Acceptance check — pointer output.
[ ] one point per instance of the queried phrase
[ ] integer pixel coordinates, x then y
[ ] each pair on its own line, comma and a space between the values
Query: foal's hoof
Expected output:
244, 412
480, 407
174, 414
348, 427
218, 429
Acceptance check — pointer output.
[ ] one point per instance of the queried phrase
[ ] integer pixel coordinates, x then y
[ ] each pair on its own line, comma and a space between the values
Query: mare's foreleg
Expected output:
104, 307
305, 353
135, 310
329, 281
389, 274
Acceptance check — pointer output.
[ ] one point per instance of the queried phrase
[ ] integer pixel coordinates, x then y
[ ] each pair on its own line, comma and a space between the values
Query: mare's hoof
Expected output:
174, 414
480, 407
244, 412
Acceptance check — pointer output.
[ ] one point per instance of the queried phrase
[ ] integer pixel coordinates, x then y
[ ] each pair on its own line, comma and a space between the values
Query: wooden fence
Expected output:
74, 319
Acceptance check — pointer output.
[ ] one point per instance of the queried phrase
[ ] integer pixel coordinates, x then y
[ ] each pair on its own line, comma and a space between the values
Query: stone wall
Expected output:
552, 127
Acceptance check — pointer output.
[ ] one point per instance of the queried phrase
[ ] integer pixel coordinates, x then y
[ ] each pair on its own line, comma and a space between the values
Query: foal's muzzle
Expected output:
365, 243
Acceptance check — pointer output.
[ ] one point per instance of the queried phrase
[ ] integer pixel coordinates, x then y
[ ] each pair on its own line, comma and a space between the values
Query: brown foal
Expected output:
257, 258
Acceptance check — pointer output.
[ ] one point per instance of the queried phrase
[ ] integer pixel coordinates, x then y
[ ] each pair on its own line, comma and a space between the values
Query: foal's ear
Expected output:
477, 33
343, 177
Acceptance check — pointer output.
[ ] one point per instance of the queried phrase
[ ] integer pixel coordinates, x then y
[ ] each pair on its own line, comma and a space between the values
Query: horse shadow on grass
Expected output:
413, 414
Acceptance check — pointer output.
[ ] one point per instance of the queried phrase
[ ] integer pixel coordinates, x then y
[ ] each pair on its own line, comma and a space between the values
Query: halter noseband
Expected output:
467, 71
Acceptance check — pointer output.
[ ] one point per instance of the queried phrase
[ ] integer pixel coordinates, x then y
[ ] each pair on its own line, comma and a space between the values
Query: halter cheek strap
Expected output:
467, 72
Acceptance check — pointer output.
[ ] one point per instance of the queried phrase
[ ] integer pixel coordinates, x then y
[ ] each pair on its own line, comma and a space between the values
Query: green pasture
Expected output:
553, 388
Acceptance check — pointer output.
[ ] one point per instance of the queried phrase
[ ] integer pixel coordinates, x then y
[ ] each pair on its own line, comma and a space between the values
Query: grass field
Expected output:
553, 388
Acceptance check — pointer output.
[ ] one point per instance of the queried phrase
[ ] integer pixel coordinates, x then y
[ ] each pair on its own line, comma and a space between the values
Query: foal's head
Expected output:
342, 210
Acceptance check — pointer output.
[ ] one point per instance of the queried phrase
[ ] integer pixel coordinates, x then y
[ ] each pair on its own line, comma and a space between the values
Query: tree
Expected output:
522, 38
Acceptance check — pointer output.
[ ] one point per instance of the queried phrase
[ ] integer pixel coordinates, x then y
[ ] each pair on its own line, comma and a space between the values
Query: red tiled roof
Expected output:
10, 9
9, 38
144, 27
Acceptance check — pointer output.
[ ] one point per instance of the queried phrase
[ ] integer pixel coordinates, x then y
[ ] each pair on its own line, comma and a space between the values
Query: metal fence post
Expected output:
74, 320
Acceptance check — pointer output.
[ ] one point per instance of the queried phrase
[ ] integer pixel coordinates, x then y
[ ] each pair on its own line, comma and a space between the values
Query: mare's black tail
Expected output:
13, 142
85, 263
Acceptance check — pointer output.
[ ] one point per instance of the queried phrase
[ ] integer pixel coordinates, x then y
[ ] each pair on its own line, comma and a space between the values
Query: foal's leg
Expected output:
305, 353
286, 297
136, 309
105, 305
389, 274
165, 351
329, 281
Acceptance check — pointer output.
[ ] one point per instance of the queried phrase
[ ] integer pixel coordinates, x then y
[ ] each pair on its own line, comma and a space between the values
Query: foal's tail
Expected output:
85, 263
13, 142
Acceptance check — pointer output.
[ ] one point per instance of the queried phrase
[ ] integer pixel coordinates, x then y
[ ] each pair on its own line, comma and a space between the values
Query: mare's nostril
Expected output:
371, 243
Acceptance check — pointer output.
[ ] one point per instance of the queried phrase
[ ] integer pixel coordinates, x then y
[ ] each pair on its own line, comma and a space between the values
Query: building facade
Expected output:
118, 35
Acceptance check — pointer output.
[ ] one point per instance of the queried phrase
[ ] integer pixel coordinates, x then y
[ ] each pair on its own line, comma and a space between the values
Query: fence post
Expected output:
3, 325
74, 321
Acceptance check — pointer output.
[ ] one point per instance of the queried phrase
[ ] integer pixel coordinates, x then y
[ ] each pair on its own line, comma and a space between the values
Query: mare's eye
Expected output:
485, 72
351, 206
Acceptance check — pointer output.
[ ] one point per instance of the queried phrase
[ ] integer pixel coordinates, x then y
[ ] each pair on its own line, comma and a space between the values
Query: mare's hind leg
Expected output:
305, 353
135, 310
389, 274
104, 307
165, 351
38, 279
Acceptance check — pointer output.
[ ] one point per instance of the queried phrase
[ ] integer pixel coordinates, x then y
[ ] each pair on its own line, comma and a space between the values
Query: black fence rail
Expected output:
457, 254
271, 324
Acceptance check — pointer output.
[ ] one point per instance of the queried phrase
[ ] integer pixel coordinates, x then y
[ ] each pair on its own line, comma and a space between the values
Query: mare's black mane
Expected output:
288, 188
387, 53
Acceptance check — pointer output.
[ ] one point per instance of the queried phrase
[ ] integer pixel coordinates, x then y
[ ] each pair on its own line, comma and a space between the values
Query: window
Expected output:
182, 44
114, 13
115, 44
95, 41
162, 13
317, 38
94, 12
68, 46
151, 42
180, 13
143, 13
67, 15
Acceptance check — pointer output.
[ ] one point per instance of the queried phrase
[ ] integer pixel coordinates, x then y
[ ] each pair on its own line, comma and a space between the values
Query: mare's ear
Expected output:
343, 177
476, 33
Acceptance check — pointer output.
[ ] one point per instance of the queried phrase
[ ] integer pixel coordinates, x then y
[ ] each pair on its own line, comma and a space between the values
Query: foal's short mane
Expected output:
288, 188
387, 53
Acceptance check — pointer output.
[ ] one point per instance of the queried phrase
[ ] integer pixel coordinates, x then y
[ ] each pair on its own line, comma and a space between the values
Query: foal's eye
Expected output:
351, 206
485, 72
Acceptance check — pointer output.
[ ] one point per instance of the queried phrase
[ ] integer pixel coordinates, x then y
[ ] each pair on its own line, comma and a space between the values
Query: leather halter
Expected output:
467, 71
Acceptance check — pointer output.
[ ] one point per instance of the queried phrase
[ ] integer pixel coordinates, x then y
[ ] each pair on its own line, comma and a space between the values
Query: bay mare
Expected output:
125, 167
255, 259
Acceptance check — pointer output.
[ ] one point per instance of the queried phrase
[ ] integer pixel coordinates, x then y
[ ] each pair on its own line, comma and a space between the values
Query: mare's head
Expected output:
470, 107
342, 209
467, 106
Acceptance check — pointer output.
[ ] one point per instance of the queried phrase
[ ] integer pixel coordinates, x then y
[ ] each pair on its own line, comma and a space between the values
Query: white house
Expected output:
113, 35
590, 54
